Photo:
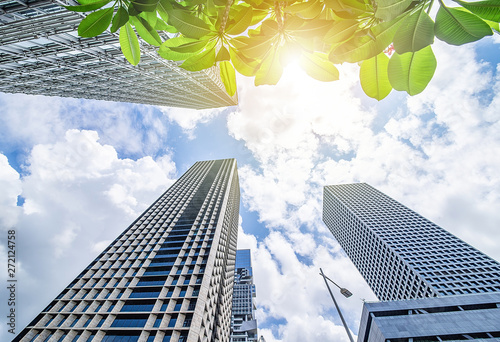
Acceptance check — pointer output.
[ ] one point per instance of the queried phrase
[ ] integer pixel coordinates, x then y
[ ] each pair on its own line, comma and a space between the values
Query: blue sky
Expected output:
74, 173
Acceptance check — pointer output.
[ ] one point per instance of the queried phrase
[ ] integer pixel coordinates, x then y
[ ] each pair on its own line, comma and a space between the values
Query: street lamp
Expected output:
346, 293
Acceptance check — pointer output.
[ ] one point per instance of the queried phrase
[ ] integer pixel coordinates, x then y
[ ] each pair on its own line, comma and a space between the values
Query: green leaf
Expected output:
374, 78
415, 33
188, 24
193, 46
130, 44
223, 55
495, 26
341, 30
95, 23
162, 8
347, 9
228, 77
412, 71
166, 51
389, 9
307, 10
244, 65
88, 7
319, 67
257, 46
258, 16
150, 17
308, 29
364, 46
270, 70
458, 27
241, 22
121, 18
202, 60
86, 2
161, 25
144, 5
489, 9
146, 32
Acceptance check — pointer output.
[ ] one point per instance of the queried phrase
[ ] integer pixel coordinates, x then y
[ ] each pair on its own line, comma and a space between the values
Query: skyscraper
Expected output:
41, 54
404, 256
168, 277
401, 254
243, 322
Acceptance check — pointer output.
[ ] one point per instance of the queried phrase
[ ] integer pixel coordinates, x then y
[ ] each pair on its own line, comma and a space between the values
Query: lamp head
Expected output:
345, 292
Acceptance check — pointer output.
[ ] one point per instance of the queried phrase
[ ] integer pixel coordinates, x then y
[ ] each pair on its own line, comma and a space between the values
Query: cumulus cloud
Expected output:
79, 197
437, 154
28, 120
188, 119
11, 186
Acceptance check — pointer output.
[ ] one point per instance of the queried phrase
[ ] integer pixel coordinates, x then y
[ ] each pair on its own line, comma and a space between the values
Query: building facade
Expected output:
449, 318
434, 286
243, 322
41, 54
401, 254
167, 278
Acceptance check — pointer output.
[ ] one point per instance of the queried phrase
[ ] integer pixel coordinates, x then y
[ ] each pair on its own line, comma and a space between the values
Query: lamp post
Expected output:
346, 293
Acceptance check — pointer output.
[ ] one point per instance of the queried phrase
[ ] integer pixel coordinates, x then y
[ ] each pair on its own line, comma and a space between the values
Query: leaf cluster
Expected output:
390, 39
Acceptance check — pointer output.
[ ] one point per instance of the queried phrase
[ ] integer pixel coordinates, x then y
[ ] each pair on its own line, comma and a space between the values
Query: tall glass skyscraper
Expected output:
401, 254
167, 278
435, 286
243, 322
41, 54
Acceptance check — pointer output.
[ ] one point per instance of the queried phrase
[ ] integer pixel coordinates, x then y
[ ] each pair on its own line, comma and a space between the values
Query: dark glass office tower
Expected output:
243, 323
401, 254
435, 287
167, 277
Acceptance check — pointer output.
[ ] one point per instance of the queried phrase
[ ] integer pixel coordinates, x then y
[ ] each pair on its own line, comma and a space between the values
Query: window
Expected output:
74, 322
49, 321
87, 323
157, 322
62, 321
149, 293
101, 322
77, 336
131, 307
177, 306
34, 337
129, 321
172, 322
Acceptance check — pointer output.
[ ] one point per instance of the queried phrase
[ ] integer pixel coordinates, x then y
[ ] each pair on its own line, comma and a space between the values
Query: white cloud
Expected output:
28, 120
438, 154
72, 183
188, 119
10, 184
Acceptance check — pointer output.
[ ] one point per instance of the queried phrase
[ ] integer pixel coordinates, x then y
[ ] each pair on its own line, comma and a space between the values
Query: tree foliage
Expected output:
259, 37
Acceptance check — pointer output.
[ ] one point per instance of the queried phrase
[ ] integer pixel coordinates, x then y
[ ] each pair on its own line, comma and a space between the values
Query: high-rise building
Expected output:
405, 258
401, 254
243, 322
41, 54
167, 278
